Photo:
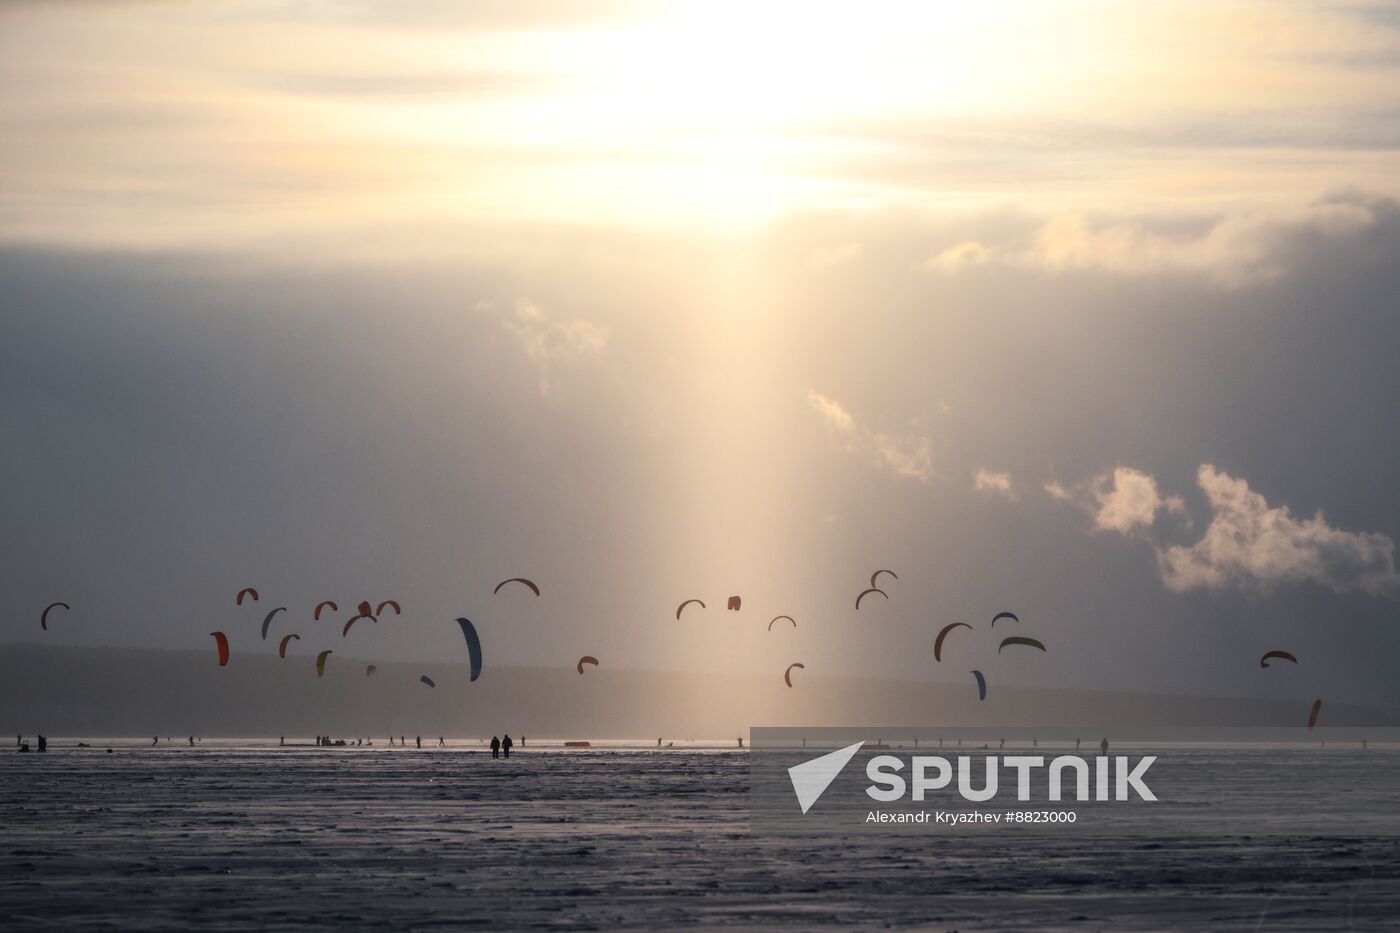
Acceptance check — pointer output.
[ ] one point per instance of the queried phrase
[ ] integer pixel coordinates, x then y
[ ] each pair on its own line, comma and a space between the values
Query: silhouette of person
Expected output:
522, 741
155, 740
1001, 744
19, 740
658, 743
43, 744
191, 741
741, 742
420, 741
506, 744
495, 747
441, 743
1076, 743
403, 741
1103, 747
281, 740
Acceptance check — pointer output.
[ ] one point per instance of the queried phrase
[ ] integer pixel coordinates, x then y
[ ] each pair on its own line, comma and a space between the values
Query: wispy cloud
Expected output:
1234, 250
831, 411
995, 484
903, 454
548, 342
954, 259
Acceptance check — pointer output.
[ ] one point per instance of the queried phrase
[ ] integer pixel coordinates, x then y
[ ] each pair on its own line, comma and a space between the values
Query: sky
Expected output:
1079, 310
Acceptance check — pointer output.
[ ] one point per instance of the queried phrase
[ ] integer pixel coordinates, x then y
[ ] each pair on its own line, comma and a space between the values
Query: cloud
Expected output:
1247, 544
907, 455
548, 342
1232, 250
1122, 500
1128, 498
830, 410
483, 84
904, 454
1250, 544
999, 484
830, 257
955, 258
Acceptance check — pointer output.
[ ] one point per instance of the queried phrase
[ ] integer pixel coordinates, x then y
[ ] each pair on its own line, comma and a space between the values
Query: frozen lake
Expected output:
235, 836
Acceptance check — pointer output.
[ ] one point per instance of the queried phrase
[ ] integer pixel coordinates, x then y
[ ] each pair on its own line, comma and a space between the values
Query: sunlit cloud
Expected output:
1247, 544
1234, 250
166, 124
1123, 500
1127, 499
1251, 544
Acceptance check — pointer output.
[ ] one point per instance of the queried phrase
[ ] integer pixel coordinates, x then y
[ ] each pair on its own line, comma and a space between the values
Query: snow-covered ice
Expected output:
235, 836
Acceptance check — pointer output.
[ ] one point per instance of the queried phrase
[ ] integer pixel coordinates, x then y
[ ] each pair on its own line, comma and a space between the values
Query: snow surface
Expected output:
248, 836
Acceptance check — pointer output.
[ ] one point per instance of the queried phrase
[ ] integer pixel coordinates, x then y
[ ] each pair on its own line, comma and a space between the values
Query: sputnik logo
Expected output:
811, 778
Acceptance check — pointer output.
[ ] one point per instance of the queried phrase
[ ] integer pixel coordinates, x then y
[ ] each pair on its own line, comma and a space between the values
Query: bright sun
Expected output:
728, 113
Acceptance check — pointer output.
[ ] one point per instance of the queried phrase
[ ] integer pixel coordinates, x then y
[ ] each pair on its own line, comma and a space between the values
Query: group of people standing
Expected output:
498, 746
